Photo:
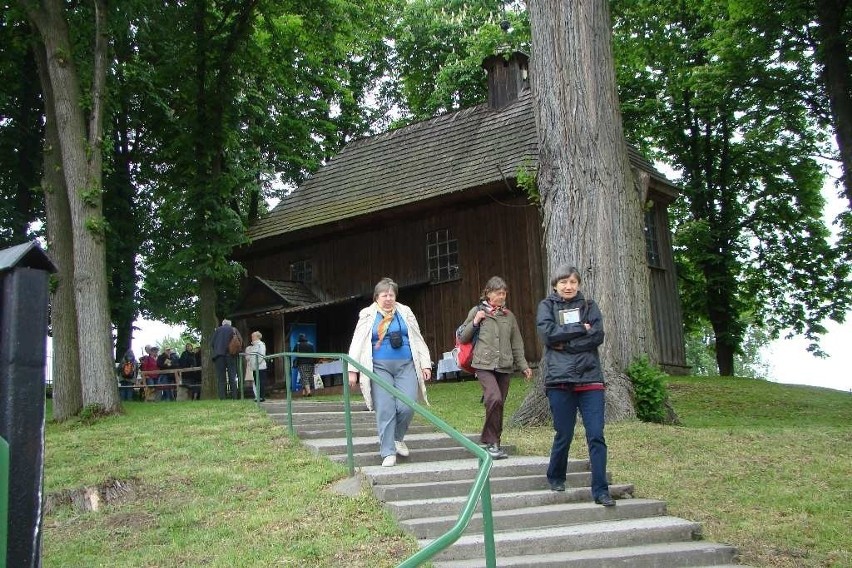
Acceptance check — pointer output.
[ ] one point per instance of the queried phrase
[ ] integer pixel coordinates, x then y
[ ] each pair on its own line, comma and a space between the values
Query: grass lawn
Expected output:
762, 466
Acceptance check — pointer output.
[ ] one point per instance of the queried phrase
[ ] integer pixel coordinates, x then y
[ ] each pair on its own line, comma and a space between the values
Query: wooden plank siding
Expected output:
665, 303
498, 234
494, 238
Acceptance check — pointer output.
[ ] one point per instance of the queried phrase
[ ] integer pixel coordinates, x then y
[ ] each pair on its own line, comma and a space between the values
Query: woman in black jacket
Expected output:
571, 328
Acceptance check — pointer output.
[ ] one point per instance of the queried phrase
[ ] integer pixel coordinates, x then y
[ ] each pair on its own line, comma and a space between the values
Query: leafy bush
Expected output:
650, 390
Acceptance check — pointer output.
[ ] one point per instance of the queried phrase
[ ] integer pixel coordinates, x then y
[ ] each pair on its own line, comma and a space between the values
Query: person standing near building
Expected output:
167, 361
255, 361
305, 364
571, 328
148, 367
225, 358
498, 351
127, 371
191, 379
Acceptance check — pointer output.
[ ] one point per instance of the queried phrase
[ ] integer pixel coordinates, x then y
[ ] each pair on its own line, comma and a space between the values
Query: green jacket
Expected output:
499, 345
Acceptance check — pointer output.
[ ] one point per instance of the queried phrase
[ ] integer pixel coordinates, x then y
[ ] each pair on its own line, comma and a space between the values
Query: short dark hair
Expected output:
303, 337
564, 271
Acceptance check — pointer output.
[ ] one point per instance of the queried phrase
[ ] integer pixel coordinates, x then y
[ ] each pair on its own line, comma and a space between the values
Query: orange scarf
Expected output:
382, 329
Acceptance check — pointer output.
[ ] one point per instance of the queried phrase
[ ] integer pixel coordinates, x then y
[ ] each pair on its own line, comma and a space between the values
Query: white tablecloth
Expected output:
446, 366
332, 368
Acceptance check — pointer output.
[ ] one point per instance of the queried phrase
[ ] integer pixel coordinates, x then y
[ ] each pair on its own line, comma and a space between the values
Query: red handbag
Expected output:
463, 352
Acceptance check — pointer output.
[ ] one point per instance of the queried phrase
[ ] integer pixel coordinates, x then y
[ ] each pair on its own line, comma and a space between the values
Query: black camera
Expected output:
395, 339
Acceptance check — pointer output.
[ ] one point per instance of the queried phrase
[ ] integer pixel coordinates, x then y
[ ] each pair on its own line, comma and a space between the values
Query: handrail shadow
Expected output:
480, 491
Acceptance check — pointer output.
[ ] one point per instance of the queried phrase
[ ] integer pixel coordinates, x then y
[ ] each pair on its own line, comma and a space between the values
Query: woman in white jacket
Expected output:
387, 340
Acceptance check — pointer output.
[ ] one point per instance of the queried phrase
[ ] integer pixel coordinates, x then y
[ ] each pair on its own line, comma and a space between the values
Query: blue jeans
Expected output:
168, 393
126, 392
563, 407
392, 415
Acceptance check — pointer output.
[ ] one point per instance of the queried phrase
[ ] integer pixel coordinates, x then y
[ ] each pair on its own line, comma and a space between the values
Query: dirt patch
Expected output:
83, 499
131, 521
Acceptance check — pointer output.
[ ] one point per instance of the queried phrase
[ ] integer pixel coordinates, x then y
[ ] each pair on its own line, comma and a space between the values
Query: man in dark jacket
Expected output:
224, 361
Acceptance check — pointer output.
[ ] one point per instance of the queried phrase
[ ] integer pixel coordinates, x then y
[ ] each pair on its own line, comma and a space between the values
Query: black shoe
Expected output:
496, 452
605, 499
557, 486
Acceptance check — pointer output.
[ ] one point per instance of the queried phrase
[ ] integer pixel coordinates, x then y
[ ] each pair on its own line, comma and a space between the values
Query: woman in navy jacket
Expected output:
571, 328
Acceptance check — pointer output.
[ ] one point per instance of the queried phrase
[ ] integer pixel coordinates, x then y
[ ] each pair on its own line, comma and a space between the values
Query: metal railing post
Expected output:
347, 418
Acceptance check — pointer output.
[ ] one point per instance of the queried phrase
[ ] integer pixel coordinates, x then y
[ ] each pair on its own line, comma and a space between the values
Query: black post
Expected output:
23, 347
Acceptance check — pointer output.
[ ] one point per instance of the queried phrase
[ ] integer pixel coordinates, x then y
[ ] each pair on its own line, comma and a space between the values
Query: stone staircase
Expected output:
533, 526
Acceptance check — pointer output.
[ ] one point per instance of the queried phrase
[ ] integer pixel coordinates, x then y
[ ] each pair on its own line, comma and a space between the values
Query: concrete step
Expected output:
533, 525
463, 469
331, 431
658, 555
415, 442
335, 418
432, 489
582, 537
448, 506
301, 405
419, 456
557, 514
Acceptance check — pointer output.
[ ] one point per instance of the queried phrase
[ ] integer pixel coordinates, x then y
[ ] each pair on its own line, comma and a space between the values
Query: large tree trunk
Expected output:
81, 166
67, 391
208, 323
833, 54
592, 209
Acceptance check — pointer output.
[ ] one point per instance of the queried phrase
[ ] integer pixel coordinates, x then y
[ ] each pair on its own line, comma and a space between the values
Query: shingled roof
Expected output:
451, 153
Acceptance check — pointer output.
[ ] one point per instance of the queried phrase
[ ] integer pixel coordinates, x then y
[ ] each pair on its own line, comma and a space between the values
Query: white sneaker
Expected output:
402, 449
389, 461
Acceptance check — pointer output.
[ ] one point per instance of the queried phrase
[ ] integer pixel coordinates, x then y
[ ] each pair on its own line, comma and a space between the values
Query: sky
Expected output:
789, 361
152, 333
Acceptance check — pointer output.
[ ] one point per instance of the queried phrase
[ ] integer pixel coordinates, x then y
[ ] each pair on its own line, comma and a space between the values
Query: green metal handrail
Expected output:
481, 489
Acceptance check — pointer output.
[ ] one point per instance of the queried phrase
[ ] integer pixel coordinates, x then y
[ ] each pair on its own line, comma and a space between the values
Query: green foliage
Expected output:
254, 99
748, 362
175, 343
703, 92
650, 390
21, 132
527, 180
91, 196
440, 46
97, 226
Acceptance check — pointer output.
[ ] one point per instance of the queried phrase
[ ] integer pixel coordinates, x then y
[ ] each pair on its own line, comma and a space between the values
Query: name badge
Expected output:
569, 316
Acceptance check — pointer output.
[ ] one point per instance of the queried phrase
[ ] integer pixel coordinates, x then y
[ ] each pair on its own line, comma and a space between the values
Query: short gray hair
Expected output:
384, 285
494, 284
564, 271
226, 322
